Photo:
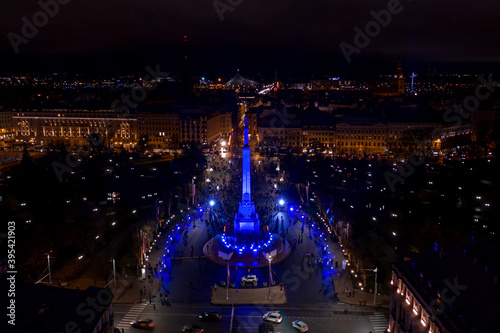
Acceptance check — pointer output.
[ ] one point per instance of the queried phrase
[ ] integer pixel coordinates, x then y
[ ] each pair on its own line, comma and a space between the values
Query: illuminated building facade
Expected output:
439, 291
219, 125
359, 139
7, 129
73, 127
160, 130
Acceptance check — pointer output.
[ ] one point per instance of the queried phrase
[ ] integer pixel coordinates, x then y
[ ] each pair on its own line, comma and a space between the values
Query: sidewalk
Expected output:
127, 295
345, 282
248, 296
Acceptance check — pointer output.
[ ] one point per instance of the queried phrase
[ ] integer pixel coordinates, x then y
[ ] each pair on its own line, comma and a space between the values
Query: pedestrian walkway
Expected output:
378, 322
134, 313
345, 282
248, 296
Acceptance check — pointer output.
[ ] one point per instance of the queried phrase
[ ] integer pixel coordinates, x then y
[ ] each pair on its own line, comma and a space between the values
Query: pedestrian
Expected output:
353, 293
360, 302
364, 302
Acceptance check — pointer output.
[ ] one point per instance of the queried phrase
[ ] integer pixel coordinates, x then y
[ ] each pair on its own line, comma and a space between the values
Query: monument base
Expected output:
216, 251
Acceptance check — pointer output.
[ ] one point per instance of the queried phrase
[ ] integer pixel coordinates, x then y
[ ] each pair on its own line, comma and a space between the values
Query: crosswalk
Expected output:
131, 315
379, 322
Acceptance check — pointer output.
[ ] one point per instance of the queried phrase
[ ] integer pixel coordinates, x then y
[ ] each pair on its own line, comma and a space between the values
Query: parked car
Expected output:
210, 316
300, 325
190, 328
143, 323
275, 317
249, 279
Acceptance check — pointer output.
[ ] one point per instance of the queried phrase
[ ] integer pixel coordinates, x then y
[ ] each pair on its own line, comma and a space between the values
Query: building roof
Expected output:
193, 110
279, 116
473, 306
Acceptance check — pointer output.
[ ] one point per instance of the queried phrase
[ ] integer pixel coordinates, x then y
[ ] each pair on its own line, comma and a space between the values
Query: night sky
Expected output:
256, 36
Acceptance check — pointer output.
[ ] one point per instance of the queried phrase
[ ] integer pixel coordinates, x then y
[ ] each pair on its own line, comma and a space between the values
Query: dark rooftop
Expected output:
474, 268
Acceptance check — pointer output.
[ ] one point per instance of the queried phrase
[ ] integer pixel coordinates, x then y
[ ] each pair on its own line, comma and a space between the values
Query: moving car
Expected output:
300, 325
210, 316
275, 317
190, 328
142, 323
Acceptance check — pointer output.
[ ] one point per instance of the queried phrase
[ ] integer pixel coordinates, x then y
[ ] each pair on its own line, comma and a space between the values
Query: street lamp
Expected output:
50, 275
269, 258
114, 274
375, 294
193, 188
281, 203
227, 284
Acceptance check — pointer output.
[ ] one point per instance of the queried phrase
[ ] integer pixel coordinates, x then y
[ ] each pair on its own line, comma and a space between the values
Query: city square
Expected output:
235, 166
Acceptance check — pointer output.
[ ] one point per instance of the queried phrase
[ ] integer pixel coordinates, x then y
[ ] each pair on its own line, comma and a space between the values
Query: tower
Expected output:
246, 219
399, 80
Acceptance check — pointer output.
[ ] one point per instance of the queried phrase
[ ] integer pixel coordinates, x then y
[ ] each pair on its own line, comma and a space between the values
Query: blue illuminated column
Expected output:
246, 191
246, 219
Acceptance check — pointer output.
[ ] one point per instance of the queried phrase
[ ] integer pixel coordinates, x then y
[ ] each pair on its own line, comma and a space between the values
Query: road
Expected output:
248, 318
188, 280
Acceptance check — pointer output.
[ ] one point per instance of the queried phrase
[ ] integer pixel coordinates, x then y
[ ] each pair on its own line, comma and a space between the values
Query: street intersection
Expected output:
188, 278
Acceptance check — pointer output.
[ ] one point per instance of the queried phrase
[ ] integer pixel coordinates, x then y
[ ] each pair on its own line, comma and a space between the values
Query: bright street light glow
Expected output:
282, 202
212, 202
